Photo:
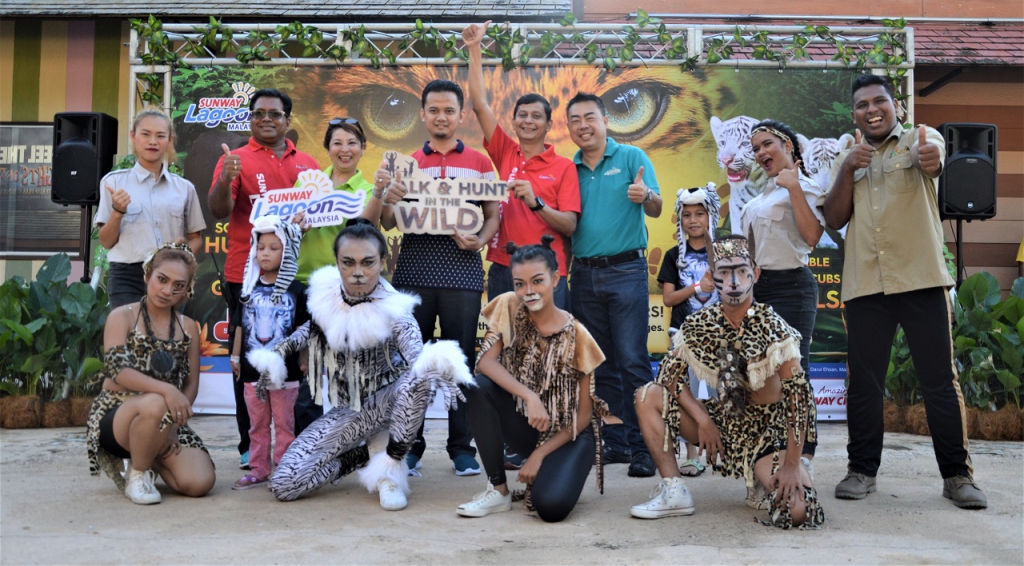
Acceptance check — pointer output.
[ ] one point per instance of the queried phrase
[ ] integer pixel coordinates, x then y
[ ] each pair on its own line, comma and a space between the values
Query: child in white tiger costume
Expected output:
381, 376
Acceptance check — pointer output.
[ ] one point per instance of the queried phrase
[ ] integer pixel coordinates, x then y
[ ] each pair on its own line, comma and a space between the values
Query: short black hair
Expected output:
441, 85
868, 79
533, 98
585, 97
355, 129
536, 252
286, 101
361, 229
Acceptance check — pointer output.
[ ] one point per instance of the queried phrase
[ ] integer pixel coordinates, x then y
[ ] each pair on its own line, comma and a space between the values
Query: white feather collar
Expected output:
353, 328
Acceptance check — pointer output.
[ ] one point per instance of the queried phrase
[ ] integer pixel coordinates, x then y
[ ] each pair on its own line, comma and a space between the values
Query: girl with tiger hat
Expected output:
273, 305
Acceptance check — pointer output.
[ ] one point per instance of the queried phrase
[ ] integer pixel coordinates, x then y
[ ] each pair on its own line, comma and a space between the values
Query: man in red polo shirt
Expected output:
269, 161
544, 184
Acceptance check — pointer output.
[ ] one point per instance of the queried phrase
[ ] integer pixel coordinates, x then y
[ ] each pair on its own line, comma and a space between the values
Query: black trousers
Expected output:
495, 421
125, 283
793, 294
459, 312
233, 296
926, 319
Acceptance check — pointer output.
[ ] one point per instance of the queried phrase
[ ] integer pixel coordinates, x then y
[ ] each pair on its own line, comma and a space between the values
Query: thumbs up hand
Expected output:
789, 178
232, 165
638, 190
119, 200
860, 156
926, 156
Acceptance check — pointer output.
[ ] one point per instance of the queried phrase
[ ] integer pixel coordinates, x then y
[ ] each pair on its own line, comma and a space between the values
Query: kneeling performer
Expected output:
381, 377
758, 423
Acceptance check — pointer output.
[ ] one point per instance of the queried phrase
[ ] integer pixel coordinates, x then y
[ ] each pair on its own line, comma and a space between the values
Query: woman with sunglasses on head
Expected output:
783, 224
150, 380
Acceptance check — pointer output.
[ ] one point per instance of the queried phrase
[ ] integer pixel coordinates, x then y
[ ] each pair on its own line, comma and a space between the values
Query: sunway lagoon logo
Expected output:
232, 111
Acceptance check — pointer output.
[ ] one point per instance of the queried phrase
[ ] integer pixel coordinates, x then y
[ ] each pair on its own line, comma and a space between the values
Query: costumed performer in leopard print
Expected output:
150, 380
759, 422
382, 377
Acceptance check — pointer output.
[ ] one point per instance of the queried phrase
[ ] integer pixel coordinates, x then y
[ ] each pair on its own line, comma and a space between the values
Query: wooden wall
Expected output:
600, 10
992, 96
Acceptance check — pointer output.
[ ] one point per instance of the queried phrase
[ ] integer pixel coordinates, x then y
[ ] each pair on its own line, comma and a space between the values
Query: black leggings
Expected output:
108, 441
495, 422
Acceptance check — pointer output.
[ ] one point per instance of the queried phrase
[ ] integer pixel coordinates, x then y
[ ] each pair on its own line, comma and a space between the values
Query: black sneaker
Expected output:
613, 456
513, 461
641, 465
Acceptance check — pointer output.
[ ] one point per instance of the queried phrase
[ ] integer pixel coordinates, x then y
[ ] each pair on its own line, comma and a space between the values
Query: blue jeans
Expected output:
499, 281
612, 302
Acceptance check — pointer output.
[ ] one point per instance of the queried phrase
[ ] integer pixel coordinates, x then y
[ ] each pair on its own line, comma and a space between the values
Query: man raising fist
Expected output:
894, 275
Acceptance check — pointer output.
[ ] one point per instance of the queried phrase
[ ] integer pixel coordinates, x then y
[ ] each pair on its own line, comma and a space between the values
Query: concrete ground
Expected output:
52, 511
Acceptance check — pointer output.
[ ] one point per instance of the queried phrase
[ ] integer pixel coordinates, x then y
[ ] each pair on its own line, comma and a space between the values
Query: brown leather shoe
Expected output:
964, 493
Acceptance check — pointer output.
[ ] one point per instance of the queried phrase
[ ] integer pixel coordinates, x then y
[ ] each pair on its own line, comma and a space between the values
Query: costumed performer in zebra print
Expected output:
381, 376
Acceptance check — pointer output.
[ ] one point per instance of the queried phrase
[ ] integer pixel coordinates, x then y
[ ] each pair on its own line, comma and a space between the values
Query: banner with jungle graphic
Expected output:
694, 126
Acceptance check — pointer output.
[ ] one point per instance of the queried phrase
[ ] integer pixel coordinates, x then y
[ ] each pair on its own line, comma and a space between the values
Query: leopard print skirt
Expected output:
100, 459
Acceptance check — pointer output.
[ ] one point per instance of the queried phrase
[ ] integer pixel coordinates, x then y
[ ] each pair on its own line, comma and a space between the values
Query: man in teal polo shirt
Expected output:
609, 271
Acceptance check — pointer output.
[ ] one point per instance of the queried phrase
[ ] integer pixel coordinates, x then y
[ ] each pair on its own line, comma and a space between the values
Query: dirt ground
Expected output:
53, 512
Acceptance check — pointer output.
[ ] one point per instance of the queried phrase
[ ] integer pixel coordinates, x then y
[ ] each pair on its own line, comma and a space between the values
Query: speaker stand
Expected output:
85, 237
959, 253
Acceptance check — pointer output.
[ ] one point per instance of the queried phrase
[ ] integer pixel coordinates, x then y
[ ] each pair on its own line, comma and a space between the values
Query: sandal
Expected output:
248, 481
692, 463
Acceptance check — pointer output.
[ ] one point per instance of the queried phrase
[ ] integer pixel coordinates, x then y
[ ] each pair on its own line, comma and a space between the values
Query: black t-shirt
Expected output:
696, 263
265, 324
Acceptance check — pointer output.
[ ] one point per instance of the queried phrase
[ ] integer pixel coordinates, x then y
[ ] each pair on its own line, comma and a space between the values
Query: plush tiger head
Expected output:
734, 152
820, 153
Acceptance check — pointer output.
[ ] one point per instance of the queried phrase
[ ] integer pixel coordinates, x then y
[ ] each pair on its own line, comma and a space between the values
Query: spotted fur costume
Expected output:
381, 378
749, 432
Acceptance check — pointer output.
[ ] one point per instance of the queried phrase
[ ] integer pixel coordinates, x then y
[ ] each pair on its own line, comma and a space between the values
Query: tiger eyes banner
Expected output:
694, 127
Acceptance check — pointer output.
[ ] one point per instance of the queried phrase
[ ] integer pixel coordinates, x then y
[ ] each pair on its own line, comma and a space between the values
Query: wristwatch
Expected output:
650, 195
540, 205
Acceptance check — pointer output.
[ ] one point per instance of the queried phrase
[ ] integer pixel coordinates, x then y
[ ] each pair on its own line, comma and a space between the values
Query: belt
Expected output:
608, 261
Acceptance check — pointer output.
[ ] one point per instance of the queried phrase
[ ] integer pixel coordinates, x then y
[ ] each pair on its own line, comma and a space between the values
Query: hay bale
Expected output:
989, 427
917, 420
80, 408
3, 405
894, 417
1005, 424
57, 414
23, 411
972, 421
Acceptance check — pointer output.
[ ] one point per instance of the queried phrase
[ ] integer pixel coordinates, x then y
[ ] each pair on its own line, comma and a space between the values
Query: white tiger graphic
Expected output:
267, 323
735, 156
746, 181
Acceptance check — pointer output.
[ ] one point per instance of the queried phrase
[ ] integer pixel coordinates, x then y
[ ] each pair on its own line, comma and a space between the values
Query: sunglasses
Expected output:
340, 121
273, 114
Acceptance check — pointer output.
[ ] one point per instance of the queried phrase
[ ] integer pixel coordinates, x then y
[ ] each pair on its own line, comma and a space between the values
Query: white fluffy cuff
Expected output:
445, 358
270, 362
383, 466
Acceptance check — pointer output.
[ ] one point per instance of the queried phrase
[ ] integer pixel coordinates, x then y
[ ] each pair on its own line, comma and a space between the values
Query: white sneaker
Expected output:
140, 488
809, 465
391, 496
755, 496
670, 498
485, 503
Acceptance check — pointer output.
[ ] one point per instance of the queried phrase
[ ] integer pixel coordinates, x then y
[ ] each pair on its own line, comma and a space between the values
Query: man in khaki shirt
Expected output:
894, 275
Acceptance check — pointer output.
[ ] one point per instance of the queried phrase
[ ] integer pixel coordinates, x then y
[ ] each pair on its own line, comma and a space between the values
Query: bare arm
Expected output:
472, 36
373, 208
652, 207
195, 243
219, 199
562, 221
191, 387
110, 232
806, 222
838, 207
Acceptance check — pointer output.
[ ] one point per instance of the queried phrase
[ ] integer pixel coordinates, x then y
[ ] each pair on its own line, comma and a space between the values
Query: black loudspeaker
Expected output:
967, 186
84, 145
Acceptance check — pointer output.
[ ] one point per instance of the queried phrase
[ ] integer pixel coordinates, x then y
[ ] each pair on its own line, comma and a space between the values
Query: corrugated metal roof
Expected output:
293, 9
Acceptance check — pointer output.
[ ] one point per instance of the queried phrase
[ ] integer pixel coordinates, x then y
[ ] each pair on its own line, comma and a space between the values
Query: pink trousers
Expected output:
280, 405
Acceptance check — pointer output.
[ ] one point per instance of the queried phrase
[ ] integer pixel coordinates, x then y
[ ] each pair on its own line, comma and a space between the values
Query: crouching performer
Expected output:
536, 393
758, 423
381, 377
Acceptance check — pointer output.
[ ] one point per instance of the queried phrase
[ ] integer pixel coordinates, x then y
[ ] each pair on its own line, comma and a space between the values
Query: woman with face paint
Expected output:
150, 380
784, 224
535, 393
381, 376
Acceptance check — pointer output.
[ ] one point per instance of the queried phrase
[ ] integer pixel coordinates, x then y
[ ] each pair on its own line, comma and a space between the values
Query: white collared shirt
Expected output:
777, 238
163, 209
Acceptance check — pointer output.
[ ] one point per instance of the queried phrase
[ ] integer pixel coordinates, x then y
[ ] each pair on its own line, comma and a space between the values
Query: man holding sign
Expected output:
445, 269
544, 184
269, 161
609, 273
895, 274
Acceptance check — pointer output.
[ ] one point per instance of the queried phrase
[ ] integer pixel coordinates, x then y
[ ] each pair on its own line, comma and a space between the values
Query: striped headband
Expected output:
770, 130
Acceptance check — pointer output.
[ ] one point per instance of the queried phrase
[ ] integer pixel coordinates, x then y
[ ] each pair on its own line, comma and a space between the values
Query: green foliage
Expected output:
51, 333
988, 342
